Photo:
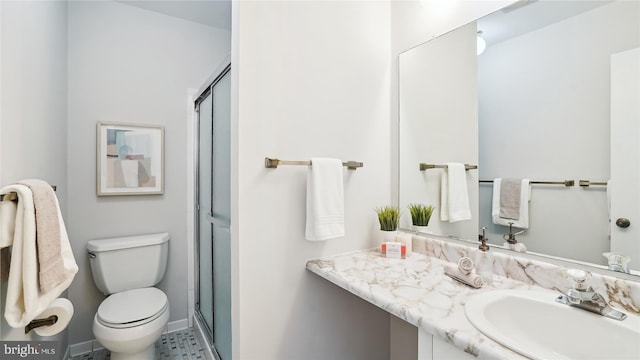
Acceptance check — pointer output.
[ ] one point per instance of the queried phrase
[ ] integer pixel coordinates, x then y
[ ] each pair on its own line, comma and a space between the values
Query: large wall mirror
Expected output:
553, 97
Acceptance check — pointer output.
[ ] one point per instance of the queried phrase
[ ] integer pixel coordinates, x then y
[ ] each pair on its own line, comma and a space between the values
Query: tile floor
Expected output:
183, 344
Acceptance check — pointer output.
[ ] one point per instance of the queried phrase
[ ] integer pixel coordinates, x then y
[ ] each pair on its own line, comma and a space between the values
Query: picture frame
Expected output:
130, 159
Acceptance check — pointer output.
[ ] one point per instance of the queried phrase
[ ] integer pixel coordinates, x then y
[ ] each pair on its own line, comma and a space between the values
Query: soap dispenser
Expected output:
511, 238
484, 259
512, 243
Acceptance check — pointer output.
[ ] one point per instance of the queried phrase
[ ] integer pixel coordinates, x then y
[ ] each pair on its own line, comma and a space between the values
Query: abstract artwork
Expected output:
129, 159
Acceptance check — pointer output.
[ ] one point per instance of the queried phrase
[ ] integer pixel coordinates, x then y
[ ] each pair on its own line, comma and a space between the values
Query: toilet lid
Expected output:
131, 306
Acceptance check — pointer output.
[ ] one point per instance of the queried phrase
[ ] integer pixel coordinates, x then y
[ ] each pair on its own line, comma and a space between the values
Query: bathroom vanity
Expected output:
416, 290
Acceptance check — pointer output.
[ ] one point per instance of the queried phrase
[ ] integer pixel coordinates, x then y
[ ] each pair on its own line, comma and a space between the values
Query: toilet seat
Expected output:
132, 308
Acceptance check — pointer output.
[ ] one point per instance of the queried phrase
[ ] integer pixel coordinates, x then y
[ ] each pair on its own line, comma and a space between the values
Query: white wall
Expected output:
34, 93
131, 65
544, 115
33, 111
311, 79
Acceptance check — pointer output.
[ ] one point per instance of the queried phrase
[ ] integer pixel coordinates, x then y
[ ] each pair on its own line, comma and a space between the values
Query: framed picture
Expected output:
130, 159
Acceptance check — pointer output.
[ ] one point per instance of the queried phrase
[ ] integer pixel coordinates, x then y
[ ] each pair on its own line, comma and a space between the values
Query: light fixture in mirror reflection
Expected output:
480, 43
543, 103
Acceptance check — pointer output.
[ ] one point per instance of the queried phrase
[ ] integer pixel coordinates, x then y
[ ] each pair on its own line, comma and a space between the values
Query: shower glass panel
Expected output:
205, 234
221, 214
213, 307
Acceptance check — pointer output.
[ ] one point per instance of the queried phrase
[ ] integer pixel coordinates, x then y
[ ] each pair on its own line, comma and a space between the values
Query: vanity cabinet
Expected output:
434, 348
411, 342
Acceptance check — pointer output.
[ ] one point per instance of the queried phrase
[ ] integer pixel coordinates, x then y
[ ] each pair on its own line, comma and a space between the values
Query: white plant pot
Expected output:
421, 229
386, 236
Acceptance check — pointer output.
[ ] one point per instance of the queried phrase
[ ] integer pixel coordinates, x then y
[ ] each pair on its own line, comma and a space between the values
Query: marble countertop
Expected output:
416, 290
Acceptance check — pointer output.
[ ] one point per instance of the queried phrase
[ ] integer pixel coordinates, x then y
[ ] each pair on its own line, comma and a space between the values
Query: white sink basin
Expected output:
533, 324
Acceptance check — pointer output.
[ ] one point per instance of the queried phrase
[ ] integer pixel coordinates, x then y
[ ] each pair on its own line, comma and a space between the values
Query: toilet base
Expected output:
147, 354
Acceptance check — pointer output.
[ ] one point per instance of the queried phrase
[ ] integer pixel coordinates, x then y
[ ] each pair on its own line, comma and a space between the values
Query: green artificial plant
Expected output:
388, 217
420, 214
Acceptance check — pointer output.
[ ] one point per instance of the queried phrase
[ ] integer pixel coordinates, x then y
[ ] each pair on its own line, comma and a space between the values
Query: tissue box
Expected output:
394, 250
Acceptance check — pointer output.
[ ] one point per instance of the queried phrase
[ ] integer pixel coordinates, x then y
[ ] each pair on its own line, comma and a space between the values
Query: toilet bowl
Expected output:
134, 315
128, 323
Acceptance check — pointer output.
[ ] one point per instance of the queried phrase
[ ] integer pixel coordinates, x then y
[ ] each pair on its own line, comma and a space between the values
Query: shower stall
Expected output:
213, 214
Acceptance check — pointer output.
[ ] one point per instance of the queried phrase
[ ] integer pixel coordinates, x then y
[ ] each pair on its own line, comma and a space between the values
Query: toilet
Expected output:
134, 315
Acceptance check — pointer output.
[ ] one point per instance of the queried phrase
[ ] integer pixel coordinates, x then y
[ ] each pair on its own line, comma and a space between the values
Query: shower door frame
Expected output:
201, 94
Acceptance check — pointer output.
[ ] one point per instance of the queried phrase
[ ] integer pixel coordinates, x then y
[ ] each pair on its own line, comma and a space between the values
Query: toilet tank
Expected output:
130, 262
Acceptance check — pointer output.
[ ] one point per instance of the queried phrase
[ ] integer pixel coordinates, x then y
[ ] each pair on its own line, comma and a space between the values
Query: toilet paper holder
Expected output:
40, 322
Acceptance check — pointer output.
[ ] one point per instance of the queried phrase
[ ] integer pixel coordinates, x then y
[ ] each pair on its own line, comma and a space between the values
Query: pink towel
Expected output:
51, 270
510, 198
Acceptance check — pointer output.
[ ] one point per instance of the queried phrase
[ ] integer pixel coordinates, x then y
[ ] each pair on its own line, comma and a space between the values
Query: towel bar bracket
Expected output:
587, 183
41, 322
271, 163
352, 165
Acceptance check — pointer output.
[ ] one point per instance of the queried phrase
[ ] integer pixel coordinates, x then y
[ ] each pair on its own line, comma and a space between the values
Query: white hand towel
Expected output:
325, 200
472, 279
465, 265
24, 298
525, 196
454, 195
8, 210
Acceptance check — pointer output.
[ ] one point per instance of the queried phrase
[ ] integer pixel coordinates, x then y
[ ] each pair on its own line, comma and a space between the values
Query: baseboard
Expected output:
84, 348
177, 325
93, 345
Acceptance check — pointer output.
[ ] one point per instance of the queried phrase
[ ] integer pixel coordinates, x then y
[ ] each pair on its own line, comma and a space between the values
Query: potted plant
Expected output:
420, 216
388, 217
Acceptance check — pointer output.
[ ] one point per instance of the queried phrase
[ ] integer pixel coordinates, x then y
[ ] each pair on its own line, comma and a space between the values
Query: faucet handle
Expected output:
581, 279
573, 297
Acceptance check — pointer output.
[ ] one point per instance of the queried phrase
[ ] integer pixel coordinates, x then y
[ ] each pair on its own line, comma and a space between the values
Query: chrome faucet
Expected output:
584, 297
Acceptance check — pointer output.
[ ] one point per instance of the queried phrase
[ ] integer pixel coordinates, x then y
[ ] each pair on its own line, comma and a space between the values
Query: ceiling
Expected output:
528, 15
517, 19
214, 13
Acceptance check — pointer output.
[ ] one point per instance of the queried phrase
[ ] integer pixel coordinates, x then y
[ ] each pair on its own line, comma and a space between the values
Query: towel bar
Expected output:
9, 197
14, 197
271, 163
40, 322
567, 183
424, 166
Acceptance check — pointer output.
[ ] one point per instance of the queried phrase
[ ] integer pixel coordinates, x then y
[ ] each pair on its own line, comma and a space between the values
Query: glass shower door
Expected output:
205, 228
214, 214
221, 216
